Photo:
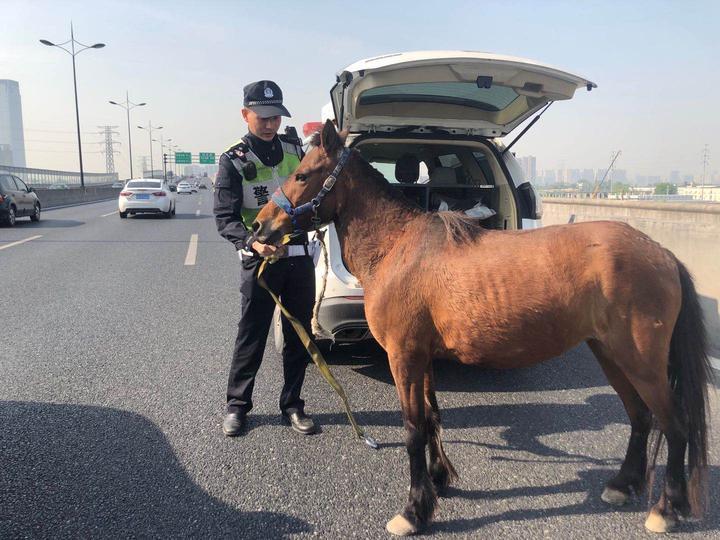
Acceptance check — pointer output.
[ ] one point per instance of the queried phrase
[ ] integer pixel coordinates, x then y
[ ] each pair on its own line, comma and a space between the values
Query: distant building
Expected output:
12, 137
701, 193
529, 167
674, 177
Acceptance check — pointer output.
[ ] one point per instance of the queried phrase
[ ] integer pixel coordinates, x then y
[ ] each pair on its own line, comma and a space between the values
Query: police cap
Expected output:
265, 99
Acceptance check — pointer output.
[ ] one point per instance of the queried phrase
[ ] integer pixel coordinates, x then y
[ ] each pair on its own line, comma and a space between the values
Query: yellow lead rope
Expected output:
314, 352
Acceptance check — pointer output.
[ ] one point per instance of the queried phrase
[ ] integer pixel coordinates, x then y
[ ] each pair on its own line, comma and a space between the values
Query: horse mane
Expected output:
460, 229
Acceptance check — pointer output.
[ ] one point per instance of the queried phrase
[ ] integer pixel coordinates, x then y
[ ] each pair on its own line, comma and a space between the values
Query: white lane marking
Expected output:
192, 251
197, 212
715, 363
110, 214
11, 244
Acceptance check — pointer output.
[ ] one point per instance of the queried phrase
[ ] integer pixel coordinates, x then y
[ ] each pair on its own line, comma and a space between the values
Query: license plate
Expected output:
141, 196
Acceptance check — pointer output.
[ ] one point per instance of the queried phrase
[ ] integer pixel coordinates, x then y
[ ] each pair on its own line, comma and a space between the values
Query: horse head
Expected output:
308, 197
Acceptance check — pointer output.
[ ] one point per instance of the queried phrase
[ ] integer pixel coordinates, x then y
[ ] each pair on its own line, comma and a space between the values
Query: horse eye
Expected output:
300, 177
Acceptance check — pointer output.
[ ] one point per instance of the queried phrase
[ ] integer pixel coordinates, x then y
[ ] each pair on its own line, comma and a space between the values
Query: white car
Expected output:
146, 196
184, 187
432, 122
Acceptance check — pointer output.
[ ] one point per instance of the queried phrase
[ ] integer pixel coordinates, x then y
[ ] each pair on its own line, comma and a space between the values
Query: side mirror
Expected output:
31, 190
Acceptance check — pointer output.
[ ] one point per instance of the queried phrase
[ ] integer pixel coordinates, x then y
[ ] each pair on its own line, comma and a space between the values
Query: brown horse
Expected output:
438, 286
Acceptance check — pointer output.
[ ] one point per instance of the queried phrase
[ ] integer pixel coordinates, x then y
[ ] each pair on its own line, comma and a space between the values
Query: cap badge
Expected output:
268, 93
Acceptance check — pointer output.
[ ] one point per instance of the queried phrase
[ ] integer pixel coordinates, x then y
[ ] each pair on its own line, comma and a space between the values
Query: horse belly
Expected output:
511, 343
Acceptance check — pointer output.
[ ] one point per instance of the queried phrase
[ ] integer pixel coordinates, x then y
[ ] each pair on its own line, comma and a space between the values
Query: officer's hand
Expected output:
266, 250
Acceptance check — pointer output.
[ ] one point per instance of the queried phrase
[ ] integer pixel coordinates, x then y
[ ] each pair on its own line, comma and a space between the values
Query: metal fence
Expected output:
47, 177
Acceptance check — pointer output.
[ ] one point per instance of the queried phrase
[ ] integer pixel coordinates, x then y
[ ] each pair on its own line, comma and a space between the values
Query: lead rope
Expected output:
317, 329
315, 353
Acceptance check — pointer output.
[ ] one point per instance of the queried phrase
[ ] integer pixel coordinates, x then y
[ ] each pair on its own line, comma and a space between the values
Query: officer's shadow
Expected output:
82, 471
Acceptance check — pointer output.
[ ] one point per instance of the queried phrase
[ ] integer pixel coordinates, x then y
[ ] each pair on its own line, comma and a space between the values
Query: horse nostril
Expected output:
256, 226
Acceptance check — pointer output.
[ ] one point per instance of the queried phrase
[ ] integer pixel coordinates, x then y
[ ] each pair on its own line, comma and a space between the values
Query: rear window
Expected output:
141, 184
467, 94
6, 183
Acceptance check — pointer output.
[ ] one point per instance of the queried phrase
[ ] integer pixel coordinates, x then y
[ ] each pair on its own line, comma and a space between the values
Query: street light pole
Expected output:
74, 53
150, 129
127, 106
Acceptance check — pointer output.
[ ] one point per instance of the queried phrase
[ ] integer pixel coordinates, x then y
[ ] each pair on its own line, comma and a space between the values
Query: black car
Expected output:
16, 200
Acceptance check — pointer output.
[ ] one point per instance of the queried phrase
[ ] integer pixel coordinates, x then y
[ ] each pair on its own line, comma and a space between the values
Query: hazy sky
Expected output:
657, 66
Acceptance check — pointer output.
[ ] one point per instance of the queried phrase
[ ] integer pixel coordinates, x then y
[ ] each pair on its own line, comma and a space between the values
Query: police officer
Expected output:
248, 173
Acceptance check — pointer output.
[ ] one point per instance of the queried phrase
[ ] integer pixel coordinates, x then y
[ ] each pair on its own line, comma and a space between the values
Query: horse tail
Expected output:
689, 372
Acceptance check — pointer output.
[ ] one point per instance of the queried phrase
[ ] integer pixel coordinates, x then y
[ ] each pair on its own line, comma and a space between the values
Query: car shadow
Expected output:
48, 223
83, 471
574, 369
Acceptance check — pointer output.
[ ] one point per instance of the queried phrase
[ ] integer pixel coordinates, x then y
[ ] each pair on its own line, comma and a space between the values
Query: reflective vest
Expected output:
257, 192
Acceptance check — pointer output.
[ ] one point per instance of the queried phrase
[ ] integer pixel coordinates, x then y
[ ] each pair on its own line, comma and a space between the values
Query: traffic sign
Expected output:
183, 157
207, 158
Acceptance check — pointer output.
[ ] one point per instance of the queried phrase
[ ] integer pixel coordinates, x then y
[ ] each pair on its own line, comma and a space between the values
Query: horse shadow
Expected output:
575, 369
590, 505
82, 471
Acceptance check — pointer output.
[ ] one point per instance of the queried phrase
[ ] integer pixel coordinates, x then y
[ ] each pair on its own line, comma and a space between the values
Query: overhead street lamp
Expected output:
127, 106
150, 129
72, 52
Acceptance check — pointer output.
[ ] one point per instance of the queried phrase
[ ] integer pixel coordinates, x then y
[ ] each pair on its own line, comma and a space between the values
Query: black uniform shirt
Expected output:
229, 193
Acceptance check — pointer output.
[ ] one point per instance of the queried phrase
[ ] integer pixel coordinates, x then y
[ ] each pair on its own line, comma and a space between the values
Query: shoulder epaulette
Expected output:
241, 145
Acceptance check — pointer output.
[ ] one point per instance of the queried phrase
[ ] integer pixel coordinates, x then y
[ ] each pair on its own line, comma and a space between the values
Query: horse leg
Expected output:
441, 470
408, 372
631, 476
645, 365
674, 499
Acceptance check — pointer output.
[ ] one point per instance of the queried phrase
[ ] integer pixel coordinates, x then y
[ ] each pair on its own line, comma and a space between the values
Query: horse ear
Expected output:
329, 138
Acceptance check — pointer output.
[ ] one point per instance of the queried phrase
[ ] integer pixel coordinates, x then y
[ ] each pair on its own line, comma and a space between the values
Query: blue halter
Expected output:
283, 202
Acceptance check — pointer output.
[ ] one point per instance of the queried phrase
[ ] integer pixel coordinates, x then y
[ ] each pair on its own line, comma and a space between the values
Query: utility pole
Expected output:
109, 149
706, 161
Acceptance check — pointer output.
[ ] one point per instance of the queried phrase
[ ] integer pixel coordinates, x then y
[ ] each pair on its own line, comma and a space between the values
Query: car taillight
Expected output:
125, 193
159, 193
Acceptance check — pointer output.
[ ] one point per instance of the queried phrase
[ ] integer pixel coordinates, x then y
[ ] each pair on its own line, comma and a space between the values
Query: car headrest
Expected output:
407, 169
443, 175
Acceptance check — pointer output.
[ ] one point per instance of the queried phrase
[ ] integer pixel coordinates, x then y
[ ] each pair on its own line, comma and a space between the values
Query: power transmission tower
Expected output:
705, 161
109, 149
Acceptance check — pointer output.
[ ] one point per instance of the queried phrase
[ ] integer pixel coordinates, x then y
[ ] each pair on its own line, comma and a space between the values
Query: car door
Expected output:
11, 191
26, 202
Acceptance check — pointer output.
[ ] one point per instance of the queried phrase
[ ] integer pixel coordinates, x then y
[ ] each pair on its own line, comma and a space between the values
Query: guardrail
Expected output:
47, 177
50, 198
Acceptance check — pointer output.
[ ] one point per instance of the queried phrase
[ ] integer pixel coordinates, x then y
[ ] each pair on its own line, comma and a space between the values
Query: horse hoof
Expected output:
658, 523
400, 526
614, 497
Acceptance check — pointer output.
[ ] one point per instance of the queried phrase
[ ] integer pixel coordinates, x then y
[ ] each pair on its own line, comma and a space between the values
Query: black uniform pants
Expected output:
293, 279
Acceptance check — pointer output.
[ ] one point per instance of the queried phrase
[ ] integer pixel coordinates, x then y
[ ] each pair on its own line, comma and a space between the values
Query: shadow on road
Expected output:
48, 224
589, 482
575, 369
80, 471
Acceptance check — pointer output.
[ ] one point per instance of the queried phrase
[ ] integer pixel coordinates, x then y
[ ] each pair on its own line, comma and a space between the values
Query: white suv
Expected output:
432, 123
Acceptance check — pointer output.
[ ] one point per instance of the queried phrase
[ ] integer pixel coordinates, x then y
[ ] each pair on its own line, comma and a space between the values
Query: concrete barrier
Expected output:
50, 198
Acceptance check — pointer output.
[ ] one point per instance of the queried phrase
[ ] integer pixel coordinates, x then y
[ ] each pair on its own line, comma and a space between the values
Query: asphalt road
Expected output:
113, 362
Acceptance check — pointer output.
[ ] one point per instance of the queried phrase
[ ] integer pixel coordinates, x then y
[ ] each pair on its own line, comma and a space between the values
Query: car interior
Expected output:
463, 176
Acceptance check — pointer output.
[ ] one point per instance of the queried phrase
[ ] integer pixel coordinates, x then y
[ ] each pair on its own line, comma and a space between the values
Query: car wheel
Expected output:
36, 214
10, 221
123, 215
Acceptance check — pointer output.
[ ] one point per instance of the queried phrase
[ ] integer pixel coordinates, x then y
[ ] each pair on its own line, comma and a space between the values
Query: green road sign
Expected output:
207, 158
183, 157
